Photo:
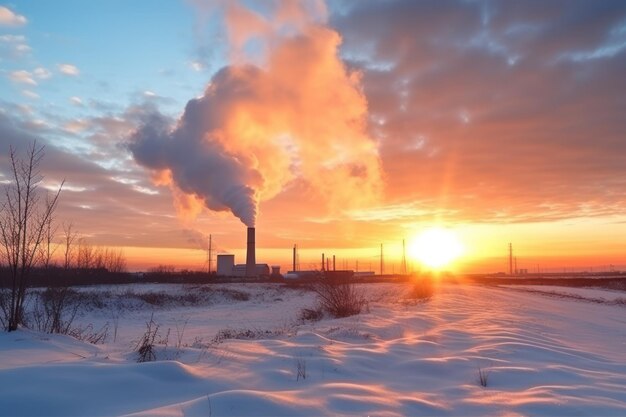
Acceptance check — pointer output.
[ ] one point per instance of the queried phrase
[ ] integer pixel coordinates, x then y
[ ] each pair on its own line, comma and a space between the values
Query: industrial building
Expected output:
226, 267
226, 262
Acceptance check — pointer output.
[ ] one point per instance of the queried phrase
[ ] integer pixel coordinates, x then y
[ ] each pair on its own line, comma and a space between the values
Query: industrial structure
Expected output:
226, 266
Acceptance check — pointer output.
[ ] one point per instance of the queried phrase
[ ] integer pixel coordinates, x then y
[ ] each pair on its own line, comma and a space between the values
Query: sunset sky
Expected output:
336, 126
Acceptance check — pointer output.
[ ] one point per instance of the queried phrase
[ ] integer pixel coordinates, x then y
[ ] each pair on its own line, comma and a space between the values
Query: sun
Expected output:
436, 247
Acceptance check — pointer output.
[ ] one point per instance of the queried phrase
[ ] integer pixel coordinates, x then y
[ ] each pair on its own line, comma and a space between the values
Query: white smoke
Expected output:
299, 114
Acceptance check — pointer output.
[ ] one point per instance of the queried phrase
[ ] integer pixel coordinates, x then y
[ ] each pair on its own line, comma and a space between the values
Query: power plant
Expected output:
226, 262
226, 266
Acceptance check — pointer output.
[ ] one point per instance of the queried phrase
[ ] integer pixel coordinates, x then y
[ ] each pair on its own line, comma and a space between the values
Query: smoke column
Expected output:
292, 110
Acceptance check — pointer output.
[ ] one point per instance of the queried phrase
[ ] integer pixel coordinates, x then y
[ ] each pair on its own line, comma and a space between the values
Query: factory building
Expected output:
243, 270
226, 266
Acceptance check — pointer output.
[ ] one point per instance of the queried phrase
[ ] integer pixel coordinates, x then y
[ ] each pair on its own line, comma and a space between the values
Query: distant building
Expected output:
302, 274
364, 273
339, 275
239, 270
225, 265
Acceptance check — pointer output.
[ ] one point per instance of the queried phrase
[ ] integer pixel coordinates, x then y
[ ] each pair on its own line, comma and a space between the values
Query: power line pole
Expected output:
403, 258
210, 255
510, 259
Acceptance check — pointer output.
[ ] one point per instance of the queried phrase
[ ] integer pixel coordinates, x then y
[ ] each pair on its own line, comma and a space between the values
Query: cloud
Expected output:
10, 18
30, 94
68, 69
111, 212
42, 73
510, 127
14, 46
22, 77
77, 101
197, 66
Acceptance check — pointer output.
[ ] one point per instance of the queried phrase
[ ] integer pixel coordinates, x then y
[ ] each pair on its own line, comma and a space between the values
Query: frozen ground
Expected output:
598, 295
542, 356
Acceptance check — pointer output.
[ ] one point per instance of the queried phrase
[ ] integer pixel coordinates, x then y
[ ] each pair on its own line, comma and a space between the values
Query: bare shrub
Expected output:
245, 334
180, 333
87, 333
483, 377
310, 314
300, 369
339, 297
55, 310
116, 324
154, 298
145, 347
422, 290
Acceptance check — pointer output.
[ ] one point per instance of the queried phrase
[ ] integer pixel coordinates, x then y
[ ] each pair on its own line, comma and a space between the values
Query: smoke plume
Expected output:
286, 107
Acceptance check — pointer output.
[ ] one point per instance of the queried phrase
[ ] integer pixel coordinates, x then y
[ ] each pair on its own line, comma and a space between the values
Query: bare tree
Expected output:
69, 236
115, 260
85, 258
48, 247
23, 221
99, 257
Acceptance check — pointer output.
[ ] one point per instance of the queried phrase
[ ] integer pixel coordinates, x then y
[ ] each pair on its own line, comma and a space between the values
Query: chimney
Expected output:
251, 254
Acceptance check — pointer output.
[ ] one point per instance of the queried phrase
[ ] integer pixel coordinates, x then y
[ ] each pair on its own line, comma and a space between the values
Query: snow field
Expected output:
541, 356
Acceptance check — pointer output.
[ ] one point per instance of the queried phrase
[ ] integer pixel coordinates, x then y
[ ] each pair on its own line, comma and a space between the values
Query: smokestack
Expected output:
251, 254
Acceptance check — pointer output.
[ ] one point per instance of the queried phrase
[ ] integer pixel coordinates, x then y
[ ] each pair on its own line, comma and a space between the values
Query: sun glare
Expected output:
436, 248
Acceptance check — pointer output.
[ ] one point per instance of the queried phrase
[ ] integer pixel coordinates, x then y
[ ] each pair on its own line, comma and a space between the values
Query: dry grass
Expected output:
483, 377
145, 347
339, 297
422, 290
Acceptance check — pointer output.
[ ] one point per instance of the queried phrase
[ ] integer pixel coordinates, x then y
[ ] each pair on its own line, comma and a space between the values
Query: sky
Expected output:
336, 126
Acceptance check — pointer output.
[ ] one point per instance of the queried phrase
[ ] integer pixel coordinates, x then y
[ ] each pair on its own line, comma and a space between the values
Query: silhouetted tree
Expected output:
24, 219
69, 236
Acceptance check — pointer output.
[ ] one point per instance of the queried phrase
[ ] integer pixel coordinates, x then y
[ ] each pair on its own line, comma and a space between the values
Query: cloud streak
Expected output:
68, 69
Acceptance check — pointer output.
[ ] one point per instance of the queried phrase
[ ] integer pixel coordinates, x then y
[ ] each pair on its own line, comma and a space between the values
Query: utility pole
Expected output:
403, 258
510, 259
381, 259
210, 255
334, 269
322, 261
295, 251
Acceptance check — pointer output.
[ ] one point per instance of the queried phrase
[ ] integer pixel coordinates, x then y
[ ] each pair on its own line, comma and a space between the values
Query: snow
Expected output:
542, 355
584, 294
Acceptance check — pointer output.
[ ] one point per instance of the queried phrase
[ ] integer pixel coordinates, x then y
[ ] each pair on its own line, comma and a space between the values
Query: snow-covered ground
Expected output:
541, 356
599, 295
